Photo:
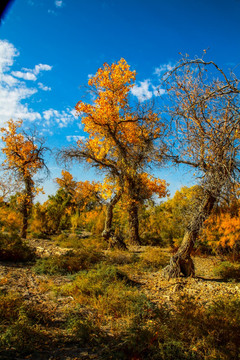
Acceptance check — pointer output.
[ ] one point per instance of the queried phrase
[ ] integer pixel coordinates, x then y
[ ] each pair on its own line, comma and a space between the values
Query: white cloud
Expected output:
41, 67
142, 92
163, 69
51, 12
58, 3
146, 89
13, 92
35, 71
62, 118
75, 138
8, 80
11, 107
24, 75
43, 87
7, 54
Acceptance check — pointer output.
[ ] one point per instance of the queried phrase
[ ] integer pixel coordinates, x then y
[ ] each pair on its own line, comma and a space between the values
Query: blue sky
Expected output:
49, 48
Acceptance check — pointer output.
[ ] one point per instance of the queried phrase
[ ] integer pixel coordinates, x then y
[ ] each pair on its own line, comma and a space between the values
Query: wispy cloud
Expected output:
41, 67
13, 91
163, 68
24, 75
43, 87
142, 91
74, 138
62, 118
146, 90
31, 74
58, 3
7, 54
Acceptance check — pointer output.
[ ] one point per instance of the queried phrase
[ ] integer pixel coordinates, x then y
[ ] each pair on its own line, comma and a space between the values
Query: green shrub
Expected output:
20, 323
68, 263
13, 248
69, 241
84, 328
228, 271
120, 257
108, 291
115, 315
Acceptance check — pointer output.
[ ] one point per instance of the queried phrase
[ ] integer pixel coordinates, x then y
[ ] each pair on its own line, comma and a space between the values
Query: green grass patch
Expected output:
68, 263
21, 323
228, 271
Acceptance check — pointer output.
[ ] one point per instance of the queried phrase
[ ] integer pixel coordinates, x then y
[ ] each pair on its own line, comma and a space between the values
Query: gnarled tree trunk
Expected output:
108, 233
26, 206
133, 223
181, 262
25, 219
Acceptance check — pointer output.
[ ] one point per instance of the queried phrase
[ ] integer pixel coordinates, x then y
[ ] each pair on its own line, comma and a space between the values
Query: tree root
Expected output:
114, 241
179, 266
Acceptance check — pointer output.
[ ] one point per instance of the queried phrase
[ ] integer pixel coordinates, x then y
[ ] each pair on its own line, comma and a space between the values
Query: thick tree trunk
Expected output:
181, 262
108, 233
25, 220
134, 237
26, 206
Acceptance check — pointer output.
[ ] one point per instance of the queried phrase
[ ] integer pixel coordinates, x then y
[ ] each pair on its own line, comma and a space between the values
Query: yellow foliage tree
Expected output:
121, 138
222, 228
24, 158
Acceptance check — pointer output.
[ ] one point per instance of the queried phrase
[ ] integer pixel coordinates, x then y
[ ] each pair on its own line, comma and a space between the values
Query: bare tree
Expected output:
205, 126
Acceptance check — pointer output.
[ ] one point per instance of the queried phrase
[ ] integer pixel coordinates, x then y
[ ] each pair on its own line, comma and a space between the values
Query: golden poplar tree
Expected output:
120, 137
24, 158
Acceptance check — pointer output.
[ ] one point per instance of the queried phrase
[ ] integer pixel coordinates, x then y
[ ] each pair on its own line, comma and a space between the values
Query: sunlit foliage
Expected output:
24, 157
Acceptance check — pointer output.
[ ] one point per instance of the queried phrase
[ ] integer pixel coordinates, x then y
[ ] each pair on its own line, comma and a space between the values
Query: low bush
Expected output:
120, 257
68, 263
13, 248
228, 271
69, 241
109, 292
186, 332
84, 328
20, 323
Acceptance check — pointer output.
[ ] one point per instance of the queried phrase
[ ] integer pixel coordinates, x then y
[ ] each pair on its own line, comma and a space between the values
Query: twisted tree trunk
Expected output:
181, 262
108, 233
133, 223
26, 206
25, 219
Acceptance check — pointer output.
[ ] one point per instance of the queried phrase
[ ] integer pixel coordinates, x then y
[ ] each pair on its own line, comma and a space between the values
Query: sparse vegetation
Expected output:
68, 263
13, 248
89, 283
228, 271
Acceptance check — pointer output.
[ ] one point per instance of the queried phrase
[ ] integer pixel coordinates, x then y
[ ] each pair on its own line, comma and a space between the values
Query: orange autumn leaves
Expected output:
223, 230
103, 191
21, 153
120, 137
80, 192
110, 121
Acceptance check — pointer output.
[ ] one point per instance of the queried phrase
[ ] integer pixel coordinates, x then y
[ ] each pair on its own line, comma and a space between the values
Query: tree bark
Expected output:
26, 206
108, 233
25, 220
181, 262
133, 223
